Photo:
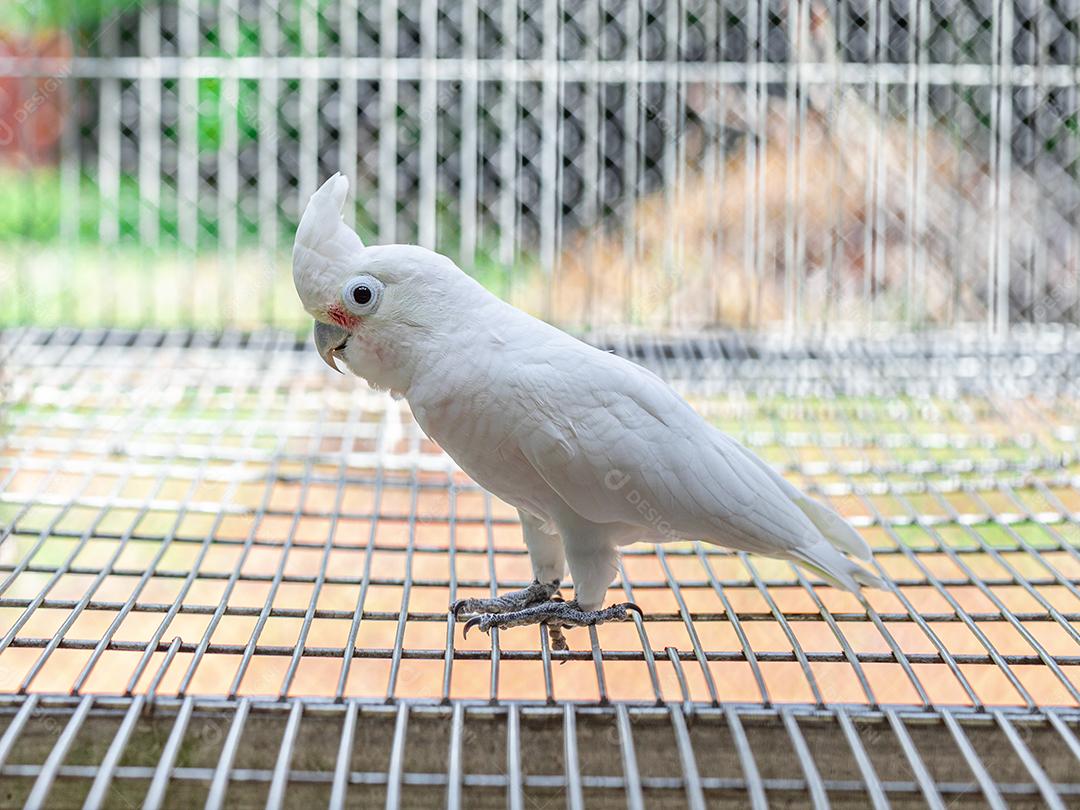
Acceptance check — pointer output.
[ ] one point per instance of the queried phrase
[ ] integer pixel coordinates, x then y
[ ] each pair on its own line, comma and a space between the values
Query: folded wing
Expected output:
619, 445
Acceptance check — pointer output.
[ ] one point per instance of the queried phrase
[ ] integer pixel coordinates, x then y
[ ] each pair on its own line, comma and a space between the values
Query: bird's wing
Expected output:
618, 445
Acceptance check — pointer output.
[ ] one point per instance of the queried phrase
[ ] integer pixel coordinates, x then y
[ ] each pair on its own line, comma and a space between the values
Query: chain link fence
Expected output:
675, 166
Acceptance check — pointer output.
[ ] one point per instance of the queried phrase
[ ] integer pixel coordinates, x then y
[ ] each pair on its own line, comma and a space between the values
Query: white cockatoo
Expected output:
594, 451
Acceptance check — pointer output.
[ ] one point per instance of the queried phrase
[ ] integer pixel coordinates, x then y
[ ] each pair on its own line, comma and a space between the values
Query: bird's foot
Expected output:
537, 593
555, 615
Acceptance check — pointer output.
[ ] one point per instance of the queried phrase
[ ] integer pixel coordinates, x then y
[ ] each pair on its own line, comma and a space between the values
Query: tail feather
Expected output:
834, 528
836, 569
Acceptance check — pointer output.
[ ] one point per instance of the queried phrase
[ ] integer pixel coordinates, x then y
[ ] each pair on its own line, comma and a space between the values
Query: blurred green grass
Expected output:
82, 281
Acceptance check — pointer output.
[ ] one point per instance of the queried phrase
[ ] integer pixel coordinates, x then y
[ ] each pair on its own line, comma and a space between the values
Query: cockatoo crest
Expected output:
323, 241
379, 309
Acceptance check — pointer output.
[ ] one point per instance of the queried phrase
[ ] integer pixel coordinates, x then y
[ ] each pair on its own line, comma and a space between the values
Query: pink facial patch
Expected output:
342, 318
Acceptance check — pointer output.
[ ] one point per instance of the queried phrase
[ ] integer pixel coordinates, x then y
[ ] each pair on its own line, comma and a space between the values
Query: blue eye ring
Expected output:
361, 295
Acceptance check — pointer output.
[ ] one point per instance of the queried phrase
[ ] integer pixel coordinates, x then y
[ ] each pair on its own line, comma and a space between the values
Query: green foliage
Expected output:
213, 110
42, 15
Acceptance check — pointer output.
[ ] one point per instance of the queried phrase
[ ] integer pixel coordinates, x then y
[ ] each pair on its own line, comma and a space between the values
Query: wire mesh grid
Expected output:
214, 532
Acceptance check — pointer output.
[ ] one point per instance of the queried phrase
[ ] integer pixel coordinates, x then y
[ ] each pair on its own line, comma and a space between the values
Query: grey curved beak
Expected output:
329, 339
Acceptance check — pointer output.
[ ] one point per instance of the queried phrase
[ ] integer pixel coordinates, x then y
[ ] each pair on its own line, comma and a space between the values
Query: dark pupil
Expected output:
361, 295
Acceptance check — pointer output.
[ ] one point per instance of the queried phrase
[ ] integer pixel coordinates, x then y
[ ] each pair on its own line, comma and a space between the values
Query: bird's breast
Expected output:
479, 434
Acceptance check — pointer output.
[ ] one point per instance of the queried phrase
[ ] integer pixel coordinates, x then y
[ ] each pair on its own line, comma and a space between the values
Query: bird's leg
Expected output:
560, 614
537, 593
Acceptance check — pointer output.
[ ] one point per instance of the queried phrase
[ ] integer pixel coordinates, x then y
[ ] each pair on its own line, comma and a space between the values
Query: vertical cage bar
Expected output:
695, 796
549, 135
508, 136
454, 765
397, 758
469, 137
228, 169
187, 181
971, 757
340, 785
347, 100
918, 767
815, 787
1002, 127
108, 174
155, 795
220, 782
99, 791
630, 772
268, 142
1042, 781
280, 780
575, 799
874, 789
16, 726
515, 789
755, 788
388, 94
149, 89
39, 794
309, 102
429, 122
631, 120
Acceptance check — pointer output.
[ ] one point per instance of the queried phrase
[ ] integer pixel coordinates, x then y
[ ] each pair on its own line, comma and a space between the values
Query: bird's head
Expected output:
378, 309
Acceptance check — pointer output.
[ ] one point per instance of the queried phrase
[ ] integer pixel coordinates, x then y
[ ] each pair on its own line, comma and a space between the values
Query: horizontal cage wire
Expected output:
212, 524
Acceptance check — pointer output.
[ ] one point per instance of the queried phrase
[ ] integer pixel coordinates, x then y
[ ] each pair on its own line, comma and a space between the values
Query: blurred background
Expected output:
845, 230
843, 165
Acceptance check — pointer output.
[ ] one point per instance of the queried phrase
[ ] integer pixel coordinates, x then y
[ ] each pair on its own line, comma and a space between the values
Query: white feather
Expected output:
592, 446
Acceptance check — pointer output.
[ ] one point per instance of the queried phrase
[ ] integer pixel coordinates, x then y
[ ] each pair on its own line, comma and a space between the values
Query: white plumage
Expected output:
595, 451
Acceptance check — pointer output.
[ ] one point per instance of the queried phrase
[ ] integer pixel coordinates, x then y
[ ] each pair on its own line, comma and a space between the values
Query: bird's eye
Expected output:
361, 294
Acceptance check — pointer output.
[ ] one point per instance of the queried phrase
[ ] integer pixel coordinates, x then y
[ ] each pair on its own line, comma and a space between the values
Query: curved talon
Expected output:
471, 623
632, 606
456, 608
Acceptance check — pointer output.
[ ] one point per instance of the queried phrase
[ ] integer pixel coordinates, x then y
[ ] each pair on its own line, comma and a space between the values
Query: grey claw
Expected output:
456, 608
632, 606
471, 623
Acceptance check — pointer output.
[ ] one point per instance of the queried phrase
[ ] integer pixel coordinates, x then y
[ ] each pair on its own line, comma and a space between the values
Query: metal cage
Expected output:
848, 231
225, 576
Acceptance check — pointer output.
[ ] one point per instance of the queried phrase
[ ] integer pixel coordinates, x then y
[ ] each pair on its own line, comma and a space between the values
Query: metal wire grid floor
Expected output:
84, 752
194, 524
195, 515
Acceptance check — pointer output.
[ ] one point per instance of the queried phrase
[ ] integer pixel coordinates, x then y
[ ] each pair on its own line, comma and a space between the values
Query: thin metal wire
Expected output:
163, 772
816, 788
918, 767
1046, 787
695, 797
631, 773
751, 775
640, 721
971, 757
220, 782
280, 782
100, 789
344, 759
43, 784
